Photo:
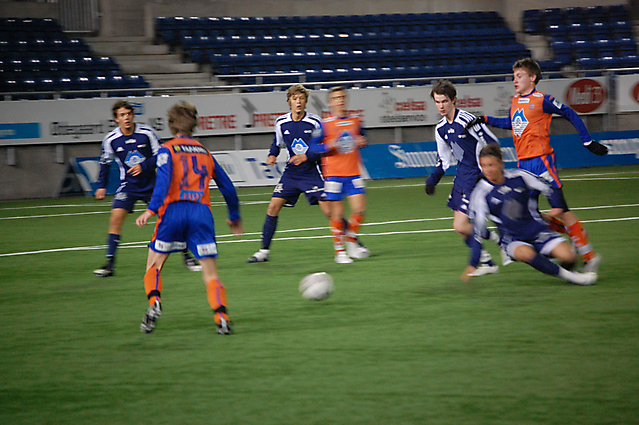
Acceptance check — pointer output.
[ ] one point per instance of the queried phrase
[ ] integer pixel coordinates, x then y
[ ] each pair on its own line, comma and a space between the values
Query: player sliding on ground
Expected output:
530, 115
182, 201
508, 198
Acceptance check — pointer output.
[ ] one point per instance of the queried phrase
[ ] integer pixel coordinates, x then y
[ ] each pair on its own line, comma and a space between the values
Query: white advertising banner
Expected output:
628, 93
249, 168
73, 120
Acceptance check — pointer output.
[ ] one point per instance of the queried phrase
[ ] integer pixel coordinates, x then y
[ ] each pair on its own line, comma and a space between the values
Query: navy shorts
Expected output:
291, 187
459, 199
185, 224
127, 200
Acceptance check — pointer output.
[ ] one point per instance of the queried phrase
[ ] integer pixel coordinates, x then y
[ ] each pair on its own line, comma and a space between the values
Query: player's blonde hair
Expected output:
297, 89
182, 118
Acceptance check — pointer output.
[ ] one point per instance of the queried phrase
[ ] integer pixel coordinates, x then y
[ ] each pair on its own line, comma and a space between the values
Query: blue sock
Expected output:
544, 265
113, 242
270, 224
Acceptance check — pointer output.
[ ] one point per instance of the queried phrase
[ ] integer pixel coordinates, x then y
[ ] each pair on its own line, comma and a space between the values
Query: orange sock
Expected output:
354, 223
153, 285
579, 238
216, 294
557, 225
337, 231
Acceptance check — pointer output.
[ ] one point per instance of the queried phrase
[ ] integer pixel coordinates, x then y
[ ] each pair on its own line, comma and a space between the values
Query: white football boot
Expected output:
260, 256
342, 258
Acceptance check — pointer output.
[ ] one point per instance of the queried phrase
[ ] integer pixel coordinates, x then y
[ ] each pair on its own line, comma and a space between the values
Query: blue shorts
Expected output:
126, 200
290, 188
459, 199
338, 188
546, 241
544, 167
185, 224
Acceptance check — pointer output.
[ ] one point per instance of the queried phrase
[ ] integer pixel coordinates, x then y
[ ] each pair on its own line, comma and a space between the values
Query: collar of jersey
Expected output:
529, 94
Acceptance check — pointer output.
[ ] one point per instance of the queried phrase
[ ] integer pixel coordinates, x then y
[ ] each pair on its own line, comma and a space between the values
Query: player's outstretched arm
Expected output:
477, 120
271, 160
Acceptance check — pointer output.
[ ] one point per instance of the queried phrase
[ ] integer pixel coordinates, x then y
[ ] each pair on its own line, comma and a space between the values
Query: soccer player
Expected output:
340, 139
134, 148
508, 198
182, 201
530, 115
293, 131
454, 141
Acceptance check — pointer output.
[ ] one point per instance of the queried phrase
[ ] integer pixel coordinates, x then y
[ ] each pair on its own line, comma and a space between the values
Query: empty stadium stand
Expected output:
588, 38
36, 56
357, 47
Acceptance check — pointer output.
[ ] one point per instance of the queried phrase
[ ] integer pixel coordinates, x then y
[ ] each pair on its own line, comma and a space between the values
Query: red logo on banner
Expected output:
585, 95
635, 93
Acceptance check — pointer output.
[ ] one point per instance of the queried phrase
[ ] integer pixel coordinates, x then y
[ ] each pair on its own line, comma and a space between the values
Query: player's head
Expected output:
445, 96
491, 162
337, 100
297, 97
123, 116
526, 75
182, 118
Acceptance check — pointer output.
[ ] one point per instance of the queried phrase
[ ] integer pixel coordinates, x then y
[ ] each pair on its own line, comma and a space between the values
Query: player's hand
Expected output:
135, 170
236, 227
597, 148
554, 212
477, 120
361, 141
143, 218
466, 275
271, 160
298, 159
100, 193
430, 189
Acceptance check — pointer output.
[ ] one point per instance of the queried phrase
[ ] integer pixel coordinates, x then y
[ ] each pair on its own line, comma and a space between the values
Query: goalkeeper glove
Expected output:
430, 189
596, 148
477, 120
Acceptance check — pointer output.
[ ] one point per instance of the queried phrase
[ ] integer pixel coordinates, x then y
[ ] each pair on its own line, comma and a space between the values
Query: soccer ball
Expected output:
317, 286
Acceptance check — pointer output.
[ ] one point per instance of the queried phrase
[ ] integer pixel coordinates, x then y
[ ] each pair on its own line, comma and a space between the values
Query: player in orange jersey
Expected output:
182, 201
339, 141
530, 115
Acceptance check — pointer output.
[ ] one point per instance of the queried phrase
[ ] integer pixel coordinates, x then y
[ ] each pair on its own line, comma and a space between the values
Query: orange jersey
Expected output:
531, 126
186, 167
344, 160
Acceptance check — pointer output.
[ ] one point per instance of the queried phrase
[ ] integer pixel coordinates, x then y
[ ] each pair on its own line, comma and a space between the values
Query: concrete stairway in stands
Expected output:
156, 63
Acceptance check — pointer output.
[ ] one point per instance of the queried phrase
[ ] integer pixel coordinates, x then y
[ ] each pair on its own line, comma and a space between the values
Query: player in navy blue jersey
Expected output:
508, 198
134, 148
293, 132
454, 142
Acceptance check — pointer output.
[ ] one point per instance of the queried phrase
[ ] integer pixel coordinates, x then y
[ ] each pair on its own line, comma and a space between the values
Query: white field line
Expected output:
400, 232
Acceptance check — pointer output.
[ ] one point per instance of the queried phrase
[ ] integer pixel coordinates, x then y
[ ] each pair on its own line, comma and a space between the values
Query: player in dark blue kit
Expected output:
509, 199
454, 141
293, 132
134, 148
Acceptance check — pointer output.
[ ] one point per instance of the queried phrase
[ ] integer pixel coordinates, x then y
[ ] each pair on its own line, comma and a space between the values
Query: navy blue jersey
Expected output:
296, 136
454, 142
141, 147
512, 206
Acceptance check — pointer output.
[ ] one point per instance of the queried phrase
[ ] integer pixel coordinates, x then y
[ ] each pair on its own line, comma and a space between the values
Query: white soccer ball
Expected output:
317, 286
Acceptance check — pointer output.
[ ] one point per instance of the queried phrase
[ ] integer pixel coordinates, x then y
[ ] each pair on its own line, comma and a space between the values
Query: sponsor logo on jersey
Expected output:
345, 143
134, 158
287, 132
519, 122
299, 146
207, 249
163, 159
308, 131
343, 123
130, 141
523, 100
189, 149
191, 195
119, 149
278, 188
